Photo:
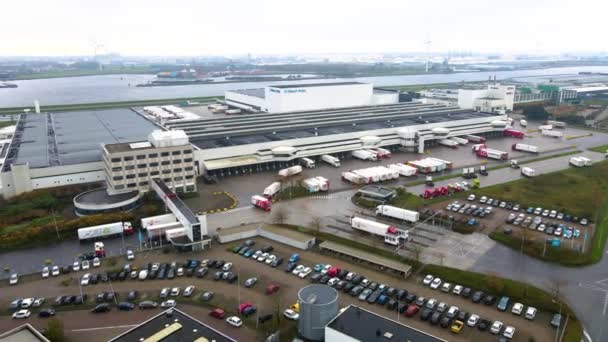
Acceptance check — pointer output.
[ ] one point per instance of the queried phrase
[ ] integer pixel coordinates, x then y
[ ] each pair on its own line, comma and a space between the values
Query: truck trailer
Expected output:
272, 190
331, 160
580, 161
509, 132
397, 213
307, 163
551, 133
261, 202
475, 138
525, 148
528, 172
390, 234
105, 231
459, 140
492, 154
448, 143
354, 178
404, 170
383, 153
290, 171
365, 155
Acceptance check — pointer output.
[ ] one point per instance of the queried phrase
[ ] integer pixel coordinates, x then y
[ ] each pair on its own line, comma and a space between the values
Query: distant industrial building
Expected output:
492, 98
172, 325
315, 96
355, 324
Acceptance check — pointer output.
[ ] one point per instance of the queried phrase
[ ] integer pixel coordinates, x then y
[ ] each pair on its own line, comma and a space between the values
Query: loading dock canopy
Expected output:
369, 257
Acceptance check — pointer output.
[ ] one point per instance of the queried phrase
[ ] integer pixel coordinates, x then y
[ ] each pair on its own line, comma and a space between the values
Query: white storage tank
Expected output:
318, 306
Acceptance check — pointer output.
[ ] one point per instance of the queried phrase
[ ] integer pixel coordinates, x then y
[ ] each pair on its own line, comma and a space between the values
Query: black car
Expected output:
483, 324
171, 273
324, 279
94, 279
69, 300
410, 298
290, 266
125, 306
132, 295
426, 314
357, 279
201, 272
243, 250
232, 278
373, 297
152, 275
462, 316
435, 317
342, 274
103, 307
122, 276
207, 295
401, 294
316, 277
355, 291
340, 285
44, 313
445, 322
276, 262
466, 292
349, 286
80, 299
489, 300
66, 269
211, 263
392, 305
267, 249
402, 307
390, 291
264, 318
219, 264
477, 296
162, 273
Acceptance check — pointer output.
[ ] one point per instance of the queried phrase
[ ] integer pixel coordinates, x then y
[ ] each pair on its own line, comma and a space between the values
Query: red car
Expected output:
244, 306
411, 311
217, 313
272, 288
332, 272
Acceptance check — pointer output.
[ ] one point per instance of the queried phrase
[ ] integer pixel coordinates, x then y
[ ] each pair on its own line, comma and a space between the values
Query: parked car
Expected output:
517, 309
496, 327
45, 313
217, 313
473, 320
188, 291
207, 296
234, 321
101, 308
126, 306
291, 314
530, 313
436, 283
250, 282
171, 303
21, 314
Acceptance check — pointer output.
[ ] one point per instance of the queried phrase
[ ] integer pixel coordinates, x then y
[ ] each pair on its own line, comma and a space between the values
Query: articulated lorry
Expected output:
397, 213
390, 234
290, 171
261, 202
365, 155
105, 231
525, 148
331, 160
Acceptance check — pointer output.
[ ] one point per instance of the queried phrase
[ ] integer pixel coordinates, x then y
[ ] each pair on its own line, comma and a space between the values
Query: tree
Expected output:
280, 215
316, 223
535, 112
495, 283
54, 330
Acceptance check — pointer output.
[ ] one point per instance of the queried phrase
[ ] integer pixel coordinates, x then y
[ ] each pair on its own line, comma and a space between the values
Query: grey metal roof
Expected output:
257, 92
367, 326
76, 137
307, 85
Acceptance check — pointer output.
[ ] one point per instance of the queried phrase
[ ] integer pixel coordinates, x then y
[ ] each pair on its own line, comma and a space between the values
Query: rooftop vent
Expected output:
388, 335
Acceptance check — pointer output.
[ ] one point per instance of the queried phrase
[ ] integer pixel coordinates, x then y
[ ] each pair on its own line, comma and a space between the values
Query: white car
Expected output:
270, 259
472, 321
234, 321
297, 270
168, 304
27, 302
325, 269
428, 279
263, 257
291, 314
55, 271
509, 332
143, 274
45, 272
130, 254
96, 262
545, 213
471, 197
305, 272
37, 302
457, 289
85, 265
483, 199
496, 327
350, 276
538, 211
76, 266
175, 291
333, 281
21, 314
84, 281
256, 255
436, 283
530, 313
446, 287
188, 291
14, 279
227, 267
179, 272
553, 213
517, 309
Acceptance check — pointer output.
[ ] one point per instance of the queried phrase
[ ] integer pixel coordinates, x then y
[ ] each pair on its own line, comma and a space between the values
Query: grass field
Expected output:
108, 105
600, 149
88, 72
6, 123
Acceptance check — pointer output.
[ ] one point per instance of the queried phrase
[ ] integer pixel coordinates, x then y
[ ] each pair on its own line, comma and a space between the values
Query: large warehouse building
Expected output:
300, 97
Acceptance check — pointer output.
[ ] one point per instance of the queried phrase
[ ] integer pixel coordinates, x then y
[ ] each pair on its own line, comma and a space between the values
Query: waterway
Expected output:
110, 88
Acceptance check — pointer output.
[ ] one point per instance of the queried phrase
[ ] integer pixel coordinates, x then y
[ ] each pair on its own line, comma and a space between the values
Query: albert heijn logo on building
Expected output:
288, 90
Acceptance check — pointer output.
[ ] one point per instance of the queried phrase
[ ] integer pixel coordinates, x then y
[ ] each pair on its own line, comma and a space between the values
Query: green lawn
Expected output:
6, 123
88, 72
600, 149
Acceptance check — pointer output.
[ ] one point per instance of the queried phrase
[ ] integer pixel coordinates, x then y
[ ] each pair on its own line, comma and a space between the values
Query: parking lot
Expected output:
227, 294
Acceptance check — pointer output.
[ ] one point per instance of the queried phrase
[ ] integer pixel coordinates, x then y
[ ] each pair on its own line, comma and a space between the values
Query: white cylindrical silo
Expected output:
318, 306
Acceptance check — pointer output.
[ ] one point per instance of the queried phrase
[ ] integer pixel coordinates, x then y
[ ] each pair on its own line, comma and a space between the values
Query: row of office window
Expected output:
151, 155
145, 175
146, 183
143, 166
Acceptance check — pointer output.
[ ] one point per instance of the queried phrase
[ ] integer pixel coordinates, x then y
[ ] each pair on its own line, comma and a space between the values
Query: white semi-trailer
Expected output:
551, 133
397, 213
525, 148
390, 234
105, 231
331, 160
290, 171
404, 170
272, 190
365, 155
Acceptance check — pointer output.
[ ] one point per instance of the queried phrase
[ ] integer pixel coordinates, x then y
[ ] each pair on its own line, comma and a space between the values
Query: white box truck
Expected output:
365, 155
397, 213
272, 190
545, 127
324, 183
290, 171
311, 185
460, 140
390, 234
331, 160
550, 133
307, 163
404, 170
525, 148
528, 172
448, 143
556, 124
580, 161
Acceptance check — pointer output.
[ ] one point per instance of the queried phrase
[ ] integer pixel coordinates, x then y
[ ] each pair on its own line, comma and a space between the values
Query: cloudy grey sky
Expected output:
204, 27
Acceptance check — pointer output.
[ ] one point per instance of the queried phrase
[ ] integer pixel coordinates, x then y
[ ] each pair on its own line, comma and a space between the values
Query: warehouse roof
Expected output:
174, 327
304, 85
53, 139
363, 325
257, 92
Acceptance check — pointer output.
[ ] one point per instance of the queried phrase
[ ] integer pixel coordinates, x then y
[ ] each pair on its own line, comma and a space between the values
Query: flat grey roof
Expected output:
364, 325
308, 85
191, 330
181, 206
52, 139
100, 196
265, 127
257, 92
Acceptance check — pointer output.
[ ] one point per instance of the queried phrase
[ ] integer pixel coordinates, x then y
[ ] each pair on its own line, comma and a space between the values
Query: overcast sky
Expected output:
229, 27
